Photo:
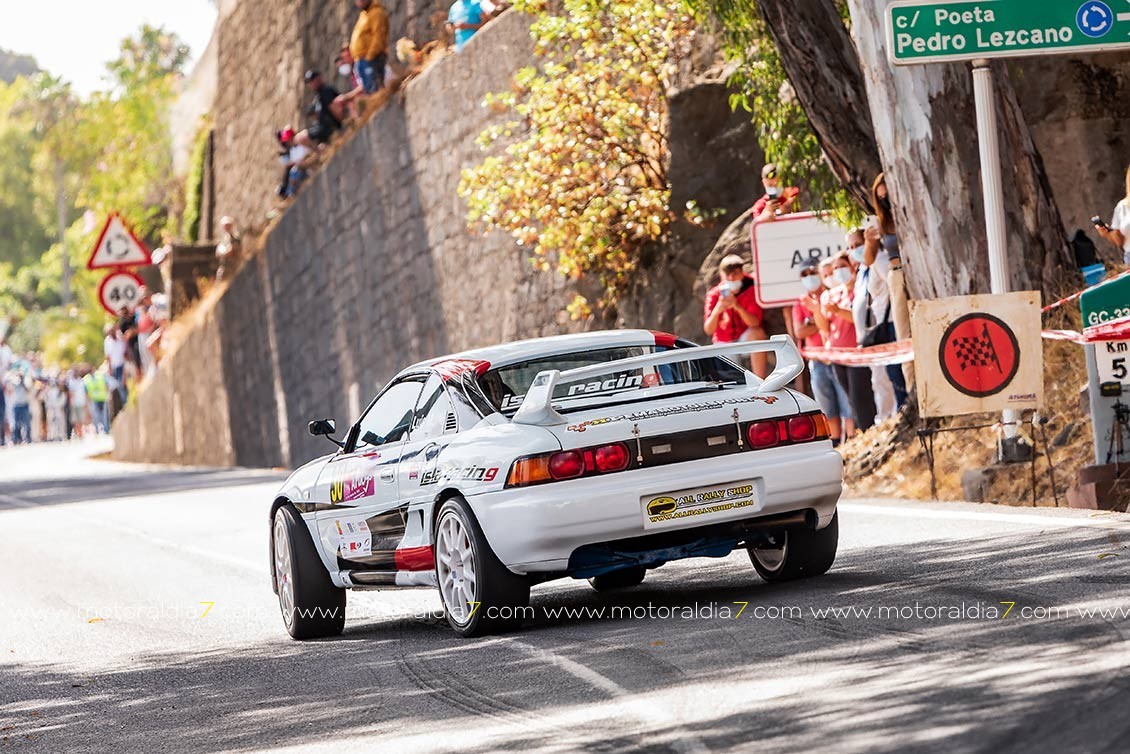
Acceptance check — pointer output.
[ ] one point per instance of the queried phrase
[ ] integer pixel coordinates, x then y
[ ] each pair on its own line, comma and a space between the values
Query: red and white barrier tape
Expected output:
902, 351
1074, 296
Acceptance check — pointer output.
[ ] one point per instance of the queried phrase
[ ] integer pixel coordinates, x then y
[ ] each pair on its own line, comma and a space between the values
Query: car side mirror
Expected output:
323, 427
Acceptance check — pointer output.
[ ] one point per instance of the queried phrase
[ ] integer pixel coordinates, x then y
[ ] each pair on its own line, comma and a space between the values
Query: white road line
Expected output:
642, 708
961, 515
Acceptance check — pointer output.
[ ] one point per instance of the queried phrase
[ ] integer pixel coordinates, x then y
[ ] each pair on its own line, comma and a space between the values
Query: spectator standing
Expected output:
810, 325
1118, 233
19, 393
228, 253
5, 365
777, 199
884, 234
369, 45
731, 312
55, 398
863, 307
856, 381
114, 346
98, 391
466, 17
77, 390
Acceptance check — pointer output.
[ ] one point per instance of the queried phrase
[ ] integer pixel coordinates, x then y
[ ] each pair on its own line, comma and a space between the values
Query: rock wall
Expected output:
372, 268
263, 48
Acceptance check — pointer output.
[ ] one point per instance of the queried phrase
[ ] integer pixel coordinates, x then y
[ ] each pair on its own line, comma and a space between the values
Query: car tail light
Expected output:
567, 464
529, 471
612, 457
802, 428
764, 434
823, 431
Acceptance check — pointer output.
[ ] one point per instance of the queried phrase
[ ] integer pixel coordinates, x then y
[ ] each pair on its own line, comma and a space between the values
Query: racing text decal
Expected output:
659, 412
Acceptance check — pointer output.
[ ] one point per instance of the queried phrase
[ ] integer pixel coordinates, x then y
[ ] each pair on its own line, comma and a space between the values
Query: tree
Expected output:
924, 124
54, 110
796, 72
23, 236
582, 178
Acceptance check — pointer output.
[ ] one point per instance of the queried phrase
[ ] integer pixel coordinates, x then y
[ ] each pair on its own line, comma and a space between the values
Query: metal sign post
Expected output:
988, 141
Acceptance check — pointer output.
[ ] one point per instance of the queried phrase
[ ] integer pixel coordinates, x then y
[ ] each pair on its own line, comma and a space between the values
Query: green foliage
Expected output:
579, 174
761, 87
23, 234
194, 184
115, 154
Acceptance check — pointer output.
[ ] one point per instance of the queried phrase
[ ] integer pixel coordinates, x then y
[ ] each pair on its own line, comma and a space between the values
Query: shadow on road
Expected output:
844, 683
130, 483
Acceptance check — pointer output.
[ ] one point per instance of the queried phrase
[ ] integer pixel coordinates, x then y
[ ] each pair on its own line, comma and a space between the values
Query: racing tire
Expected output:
621, 579
802, 553
312, 607
480, 595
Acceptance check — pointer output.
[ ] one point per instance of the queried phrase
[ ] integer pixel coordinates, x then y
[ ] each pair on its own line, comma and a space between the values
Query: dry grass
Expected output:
890, 460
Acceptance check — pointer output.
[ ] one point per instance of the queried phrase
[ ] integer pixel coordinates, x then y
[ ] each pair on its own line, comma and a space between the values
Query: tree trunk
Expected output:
925, 126
819, 58
61, 218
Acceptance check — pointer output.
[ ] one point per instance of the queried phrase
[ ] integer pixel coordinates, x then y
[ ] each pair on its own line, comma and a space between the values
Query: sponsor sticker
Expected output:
354, 539
690, 507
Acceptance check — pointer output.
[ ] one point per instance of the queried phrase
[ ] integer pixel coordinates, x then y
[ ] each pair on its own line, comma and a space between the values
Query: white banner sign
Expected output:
782, 247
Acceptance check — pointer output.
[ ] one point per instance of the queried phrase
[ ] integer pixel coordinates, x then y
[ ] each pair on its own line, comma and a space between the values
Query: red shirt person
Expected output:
777, 198
731, 312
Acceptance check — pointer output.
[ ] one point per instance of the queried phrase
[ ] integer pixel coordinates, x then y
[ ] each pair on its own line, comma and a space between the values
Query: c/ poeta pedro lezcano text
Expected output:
962, 31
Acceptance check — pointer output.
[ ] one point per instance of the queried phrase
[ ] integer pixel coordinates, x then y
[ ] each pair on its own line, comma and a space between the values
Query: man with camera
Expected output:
731, 313
778, 199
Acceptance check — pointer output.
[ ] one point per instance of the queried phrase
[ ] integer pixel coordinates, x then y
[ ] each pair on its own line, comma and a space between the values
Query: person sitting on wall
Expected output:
731, 312
294, 158
329, 110
778, 200
368, 45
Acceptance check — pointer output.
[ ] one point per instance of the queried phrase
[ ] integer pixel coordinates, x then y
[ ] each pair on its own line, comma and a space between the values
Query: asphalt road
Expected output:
136, 615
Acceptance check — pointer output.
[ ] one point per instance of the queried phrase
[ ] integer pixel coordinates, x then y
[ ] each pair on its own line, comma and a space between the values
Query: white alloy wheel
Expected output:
772, 558
283, 571
456, 568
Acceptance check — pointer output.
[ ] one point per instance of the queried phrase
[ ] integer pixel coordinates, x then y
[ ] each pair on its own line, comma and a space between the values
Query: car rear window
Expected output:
506, 386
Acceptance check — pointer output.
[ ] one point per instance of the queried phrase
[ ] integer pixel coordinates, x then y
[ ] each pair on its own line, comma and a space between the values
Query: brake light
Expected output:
764, 434
802, 428
612, 457
567, 464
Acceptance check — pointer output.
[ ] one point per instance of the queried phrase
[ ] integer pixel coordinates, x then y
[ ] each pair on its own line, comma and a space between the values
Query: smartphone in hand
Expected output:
1097, 220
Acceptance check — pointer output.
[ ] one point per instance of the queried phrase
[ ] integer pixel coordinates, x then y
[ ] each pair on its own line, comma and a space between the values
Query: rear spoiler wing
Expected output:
537, 408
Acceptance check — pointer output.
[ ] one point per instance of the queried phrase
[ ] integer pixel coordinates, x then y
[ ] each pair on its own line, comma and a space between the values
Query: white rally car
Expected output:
599, 456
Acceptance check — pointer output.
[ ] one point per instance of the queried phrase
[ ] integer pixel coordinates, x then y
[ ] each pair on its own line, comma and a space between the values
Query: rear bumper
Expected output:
536, 529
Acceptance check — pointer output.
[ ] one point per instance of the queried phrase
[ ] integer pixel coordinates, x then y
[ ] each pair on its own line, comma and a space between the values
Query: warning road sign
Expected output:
978, 354
118, 290
117, 246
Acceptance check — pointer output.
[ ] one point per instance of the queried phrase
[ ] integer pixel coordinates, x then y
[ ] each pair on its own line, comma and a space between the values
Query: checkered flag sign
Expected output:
977, 351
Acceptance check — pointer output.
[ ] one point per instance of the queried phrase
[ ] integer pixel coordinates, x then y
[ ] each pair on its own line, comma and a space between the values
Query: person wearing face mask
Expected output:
810, 326
369, 44
777, 200
731, 312
863, 307
837, 307
881, 251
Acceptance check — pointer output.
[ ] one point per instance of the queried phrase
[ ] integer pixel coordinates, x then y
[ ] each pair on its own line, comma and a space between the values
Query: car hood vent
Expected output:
450, 424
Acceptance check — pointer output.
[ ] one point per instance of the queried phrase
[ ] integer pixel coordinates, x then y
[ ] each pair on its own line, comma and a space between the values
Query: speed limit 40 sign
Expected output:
119, 290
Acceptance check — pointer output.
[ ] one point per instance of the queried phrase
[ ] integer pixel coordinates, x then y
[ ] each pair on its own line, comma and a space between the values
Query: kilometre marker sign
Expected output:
935, 32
